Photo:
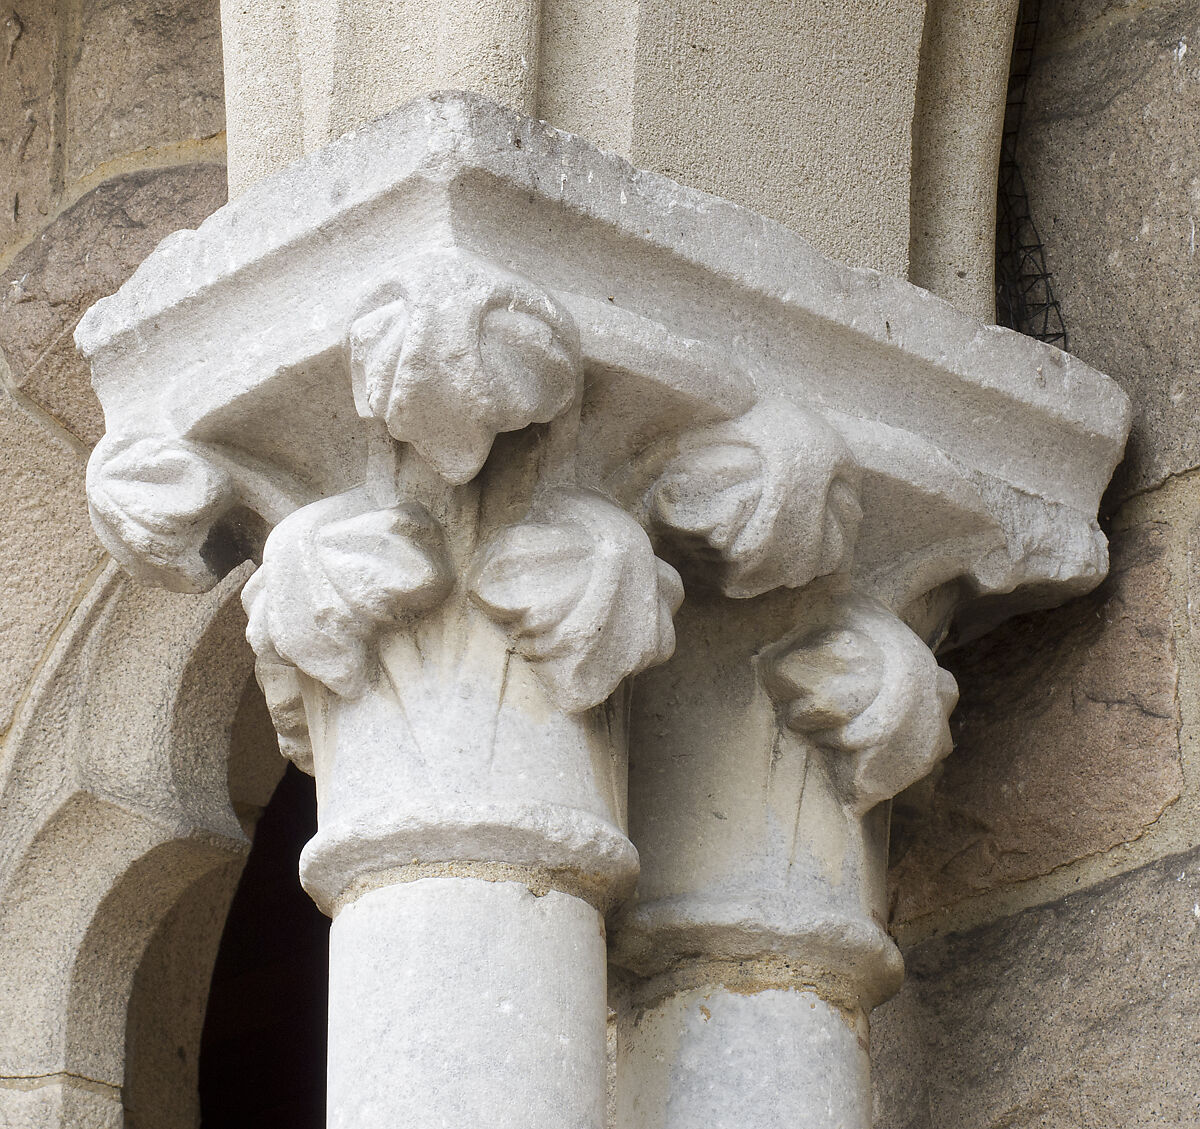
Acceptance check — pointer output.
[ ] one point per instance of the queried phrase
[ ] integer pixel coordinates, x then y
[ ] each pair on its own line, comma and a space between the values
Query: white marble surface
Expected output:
486, 404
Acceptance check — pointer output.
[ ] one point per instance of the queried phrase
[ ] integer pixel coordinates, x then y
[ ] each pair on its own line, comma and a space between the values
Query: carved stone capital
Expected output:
482, 402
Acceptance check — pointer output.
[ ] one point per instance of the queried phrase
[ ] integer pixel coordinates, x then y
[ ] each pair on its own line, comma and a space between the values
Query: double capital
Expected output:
487, 407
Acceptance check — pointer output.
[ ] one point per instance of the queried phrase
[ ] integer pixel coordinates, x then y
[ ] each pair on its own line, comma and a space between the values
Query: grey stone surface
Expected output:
718, 101
1067, 737
255, 766
107, 826
144, 73
28, 54
46, 546
706, 93
966, 55
1024, 441
168, 1002
169, 995
468, 1003
1083, 1014
1111, 155
57, 1102
710, 1058
83, 255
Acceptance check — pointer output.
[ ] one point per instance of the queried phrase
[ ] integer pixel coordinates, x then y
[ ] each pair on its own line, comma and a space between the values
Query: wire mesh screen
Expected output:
1024, 291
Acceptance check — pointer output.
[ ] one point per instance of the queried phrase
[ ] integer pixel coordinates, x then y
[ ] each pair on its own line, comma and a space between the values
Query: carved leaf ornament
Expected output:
284, 695
769, 499
153, 500
865, 686
581, 589
336, 573
455, 352
469, 350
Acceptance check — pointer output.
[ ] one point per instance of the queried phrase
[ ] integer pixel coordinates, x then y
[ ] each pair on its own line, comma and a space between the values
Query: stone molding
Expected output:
701, 306
484, 401
108, 829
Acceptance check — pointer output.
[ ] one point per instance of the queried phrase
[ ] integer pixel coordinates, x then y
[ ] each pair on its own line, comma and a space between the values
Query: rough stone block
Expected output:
1082, 1013
29, 47
1110, 156
59, 1101
145, 72
899, 1064
46, 546
1067, 738
85, 254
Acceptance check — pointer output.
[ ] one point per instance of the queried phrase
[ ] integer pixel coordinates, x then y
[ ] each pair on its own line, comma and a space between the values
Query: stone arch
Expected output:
115, 796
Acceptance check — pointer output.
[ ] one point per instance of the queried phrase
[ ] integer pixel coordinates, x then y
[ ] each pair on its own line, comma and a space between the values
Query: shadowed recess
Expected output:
262, 1053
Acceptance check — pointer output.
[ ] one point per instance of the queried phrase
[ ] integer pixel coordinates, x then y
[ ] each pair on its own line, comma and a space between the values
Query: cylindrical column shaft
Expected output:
466, 836
758, 930
712, 1058
457, 1003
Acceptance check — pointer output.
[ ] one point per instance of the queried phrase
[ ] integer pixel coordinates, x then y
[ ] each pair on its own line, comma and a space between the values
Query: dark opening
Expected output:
262, 1052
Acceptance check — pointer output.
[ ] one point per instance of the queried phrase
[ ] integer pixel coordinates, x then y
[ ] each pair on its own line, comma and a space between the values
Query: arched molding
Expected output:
116, 808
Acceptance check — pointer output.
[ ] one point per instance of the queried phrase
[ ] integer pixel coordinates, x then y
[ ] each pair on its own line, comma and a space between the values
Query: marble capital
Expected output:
506, 425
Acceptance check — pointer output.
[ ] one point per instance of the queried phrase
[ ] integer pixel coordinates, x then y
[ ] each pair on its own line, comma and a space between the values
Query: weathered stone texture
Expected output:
29, 50
54, 1103
965, 57
1066, 733
144, 73
801, 110
1084, 1014
499, 581
255, 765
85, 254
167, 1007
1111, 159
46, 546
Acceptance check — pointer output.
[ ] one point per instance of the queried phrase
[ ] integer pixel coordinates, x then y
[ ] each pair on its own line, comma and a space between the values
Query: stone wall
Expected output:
111, 136
1046, 885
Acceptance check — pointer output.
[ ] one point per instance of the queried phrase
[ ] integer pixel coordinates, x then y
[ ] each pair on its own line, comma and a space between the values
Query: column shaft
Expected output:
457, 1003
712, 1058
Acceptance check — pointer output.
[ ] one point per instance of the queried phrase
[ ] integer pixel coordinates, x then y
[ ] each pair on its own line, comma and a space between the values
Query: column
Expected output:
455, 634
482, 402
758, 945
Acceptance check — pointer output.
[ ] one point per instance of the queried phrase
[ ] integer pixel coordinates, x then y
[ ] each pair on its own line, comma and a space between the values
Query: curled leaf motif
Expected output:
153, 501
770, 499
864, 685
584, 594
469, 350
281, 688
334, 574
